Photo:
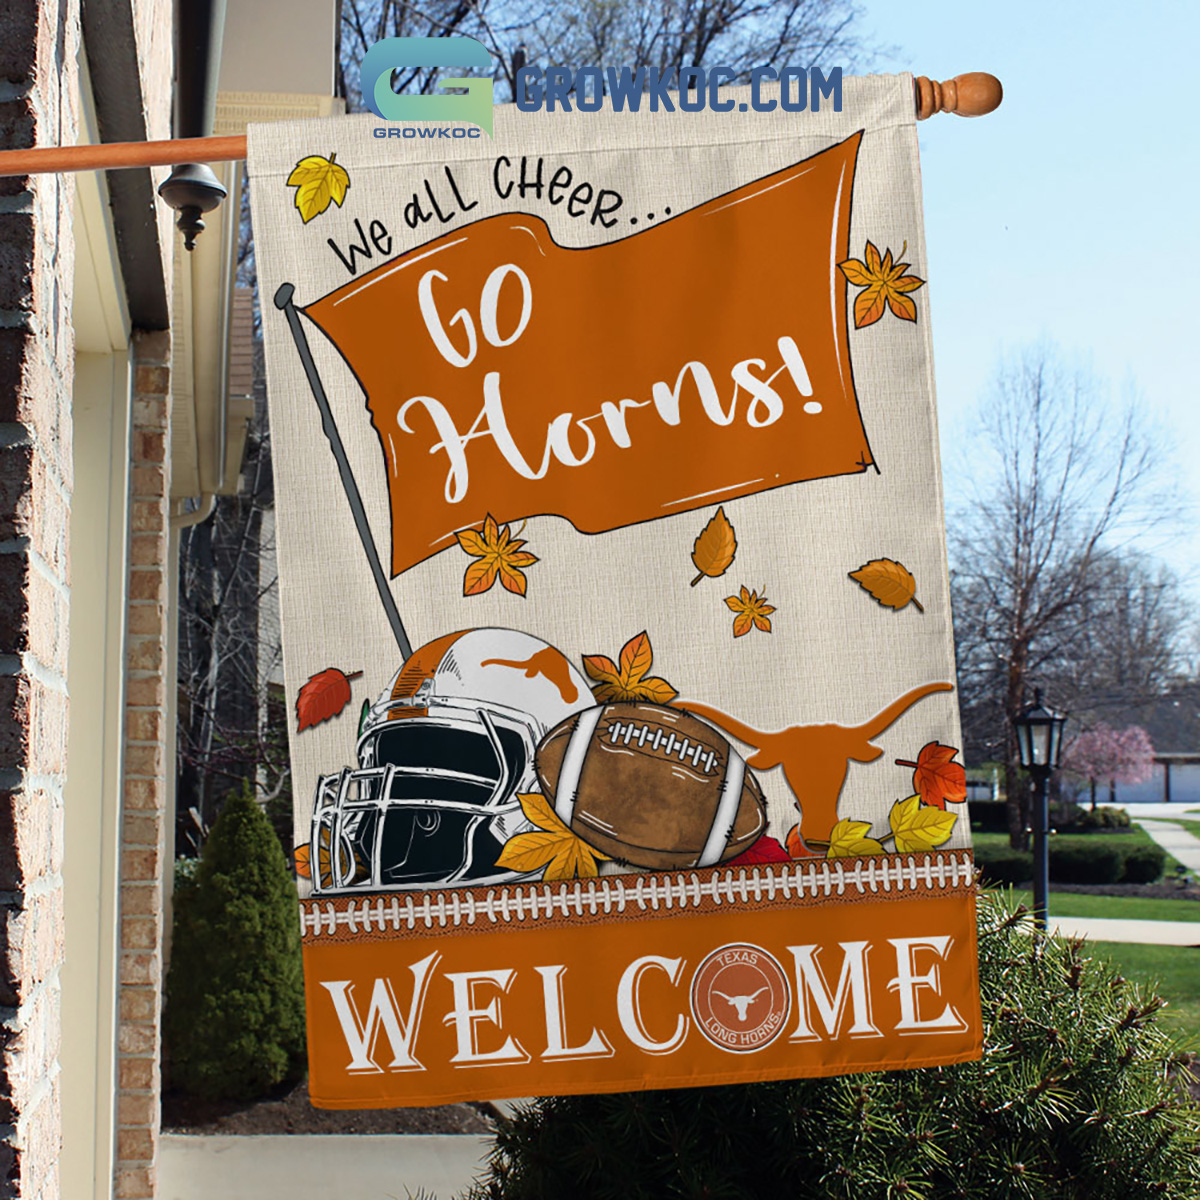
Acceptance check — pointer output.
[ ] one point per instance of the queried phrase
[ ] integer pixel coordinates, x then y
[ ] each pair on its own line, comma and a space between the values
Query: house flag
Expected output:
615, 602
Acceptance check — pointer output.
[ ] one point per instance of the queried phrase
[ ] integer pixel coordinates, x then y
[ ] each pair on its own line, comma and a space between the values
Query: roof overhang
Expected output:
111, 44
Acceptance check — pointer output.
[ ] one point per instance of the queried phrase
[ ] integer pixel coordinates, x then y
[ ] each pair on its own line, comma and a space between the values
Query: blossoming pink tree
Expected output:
1106, 754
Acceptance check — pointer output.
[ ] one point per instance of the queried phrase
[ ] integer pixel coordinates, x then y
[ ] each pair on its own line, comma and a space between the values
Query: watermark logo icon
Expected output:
400, 53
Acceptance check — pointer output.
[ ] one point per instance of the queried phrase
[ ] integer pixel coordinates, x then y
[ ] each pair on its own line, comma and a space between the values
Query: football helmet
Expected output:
442, 756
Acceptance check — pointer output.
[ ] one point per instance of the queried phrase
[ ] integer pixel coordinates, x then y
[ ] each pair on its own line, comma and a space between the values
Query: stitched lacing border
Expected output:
645, 893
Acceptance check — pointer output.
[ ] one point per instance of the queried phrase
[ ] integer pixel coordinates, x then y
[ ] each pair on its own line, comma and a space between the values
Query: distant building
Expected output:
1173, 723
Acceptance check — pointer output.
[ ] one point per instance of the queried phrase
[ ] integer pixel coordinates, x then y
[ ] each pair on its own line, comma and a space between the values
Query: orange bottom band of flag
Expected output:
732, 991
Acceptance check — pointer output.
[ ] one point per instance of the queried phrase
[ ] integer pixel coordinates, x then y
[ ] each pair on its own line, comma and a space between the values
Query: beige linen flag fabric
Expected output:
615, 601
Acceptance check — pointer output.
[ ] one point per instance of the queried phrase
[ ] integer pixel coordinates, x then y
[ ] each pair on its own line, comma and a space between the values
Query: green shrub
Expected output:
234, 1020
989, 816
1002, 864
1144, 864
1066, 814
185, 875
1104, 817
1074, 1098
1092, 861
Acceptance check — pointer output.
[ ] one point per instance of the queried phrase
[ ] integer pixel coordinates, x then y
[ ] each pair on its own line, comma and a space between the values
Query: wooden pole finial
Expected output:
974, 94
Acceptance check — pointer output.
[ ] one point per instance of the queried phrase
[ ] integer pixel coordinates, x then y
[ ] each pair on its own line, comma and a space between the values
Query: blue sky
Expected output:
1071, 213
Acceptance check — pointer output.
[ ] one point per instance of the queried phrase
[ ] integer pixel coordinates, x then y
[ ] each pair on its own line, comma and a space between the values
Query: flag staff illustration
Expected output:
283, 301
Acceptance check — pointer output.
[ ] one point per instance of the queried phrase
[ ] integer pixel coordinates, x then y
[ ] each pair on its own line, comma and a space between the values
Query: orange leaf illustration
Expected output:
797, 847
753, 611
498, 555
886, 286
628, 682
889, 582
715, 547
636, 656
301, 858
322, 697
938, 779
551, 845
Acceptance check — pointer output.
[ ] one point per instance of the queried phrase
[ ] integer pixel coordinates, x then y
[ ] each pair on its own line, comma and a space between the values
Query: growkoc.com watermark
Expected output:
567, 89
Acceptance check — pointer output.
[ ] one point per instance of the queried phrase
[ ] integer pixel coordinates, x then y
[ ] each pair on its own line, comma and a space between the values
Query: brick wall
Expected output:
38, 45
144, 817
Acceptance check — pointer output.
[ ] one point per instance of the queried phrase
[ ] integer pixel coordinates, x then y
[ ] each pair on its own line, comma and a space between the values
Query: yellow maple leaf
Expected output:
628, 682
319, 182
886, 286
753, 611
919, 827
499, 555
848, 838
551, 845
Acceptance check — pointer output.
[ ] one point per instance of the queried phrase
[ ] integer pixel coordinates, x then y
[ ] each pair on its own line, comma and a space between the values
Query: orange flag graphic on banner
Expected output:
608, 385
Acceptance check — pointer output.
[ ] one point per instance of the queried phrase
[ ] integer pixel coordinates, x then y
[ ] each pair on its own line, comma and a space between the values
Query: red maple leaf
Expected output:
322, 697
765, 850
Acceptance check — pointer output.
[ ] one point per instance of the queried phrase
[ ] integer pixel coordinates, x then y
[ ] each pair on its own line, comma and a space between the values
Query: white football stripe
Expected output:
727, 810
567, 787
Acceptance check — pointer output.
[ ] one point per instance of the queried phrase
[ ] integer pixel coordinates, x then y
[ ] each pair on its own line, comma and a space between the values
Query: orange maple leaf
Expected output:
301, 857
885, 284
628, 681
497, 553
938, 779
752, 611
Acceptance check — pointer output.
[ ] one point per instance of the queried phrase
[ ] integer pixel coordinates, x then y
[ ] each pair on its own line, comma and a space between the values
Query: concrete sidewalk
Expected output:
1113, 929
1174, 839
318, 1167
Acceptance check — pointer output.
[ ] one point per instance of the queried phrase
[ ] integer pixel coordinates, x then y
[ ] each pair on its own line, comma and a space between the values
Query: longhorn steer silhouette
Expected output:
741, 1003
816, 758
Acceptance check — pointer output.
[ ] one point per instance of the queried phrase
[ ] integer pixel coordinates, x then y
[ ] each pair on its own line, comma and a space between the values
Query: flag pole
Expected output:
112, 156
971, 95
283, 301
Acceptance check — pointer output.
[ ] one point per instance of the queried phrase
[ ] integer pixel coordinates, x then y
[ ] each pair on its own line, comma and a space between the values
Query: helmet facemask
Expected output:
432, 803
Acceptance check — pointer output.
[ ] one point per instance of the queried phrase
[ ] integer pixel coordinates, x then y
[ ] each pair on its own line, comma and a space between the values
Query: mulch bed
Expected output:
289, 1111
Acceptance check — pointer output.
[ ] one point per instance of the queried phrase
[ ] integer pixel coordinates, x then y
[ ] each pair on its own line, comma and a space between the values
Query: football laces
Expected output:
660, 741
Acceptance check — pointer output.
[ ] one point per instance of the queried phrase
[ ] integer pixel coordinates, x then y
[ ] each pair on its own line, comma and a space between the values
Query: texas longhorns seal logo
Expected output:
816, 758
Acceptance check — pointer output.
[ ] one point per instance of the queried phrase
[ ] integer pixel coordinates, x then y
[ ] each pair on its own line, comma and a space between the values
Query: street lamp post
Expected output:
1039, 744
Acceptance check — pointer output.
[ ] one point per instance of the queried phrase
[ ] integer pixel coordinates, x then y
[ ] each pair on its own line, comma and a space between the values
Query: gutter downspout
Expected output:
206, 505
228, 268
200, 31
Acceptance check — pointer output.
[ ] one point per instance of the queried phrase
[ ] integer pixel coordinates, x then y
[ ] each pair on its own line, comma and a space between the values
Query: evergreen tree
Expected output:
234, 1021
1079, 1095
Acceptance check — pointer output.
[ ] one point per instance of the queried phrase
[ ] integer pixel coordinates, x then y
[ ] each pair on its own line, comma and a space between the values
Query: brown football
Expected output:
652, 786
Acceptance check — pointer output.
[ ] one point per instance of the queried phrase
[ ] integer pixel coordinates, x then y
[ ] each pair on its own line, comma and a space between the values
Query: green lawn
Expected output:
1126, 908
1176, 971
1193, 827
1127, 837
